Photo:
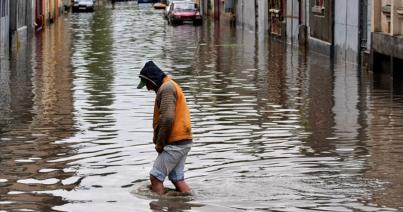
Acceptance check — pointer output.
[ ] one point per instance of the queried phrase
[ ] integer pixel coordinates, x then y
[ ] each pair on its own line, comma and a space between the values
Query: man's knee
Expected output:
154, 179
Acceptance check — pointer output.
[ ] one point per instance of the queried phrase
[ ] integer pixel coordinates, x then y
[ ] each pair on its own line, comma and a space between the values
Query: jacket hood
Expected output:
152, 73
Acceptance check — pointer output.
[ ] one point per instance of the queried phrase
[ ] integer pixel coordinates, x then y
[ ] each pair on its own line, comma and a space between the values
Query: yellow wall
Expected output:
52, 9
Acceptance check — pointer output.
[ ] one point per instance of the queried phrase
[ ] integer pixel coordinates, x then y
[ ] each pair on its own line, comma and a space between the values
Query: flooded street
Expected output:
274, 128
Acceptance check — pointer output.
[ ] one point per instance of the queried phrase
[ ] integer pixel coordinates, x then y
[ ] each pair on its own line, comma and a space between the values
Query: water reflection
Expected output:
383, 119
38, 109
5, 91
275, 123
92, 47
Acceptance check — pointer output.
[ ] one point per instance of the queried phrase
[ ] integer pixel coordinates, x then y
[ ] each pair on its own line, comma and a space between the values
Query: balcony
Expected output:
387, 27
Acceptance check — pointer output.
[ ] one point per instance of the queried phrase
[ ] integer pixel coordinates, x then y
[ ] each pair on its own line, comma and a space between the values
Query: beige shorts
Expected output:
171, 163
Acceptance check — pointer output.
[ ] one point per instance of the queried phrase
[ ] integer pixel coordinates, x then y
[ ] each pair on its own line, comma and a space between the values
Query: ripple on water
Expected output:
36, 181
143, 191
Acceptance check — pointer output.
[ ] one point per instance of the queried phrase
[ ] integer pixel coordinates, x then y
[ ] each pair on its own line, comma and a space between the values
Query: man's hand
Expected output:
159, 148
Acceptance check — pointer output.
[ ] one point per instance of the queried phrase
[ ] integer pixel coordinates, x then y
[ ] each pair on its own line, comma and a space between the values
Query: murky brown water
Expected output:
274, 128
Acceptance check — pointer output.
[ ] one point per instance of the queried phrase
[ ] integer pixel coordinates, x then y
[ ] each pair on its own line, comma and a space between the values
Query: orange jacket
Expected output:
171, 120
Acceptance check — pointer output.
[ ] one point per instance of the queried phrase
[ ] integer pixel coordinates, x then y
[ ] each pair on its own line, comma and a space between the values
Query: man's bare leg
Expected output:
182, 186
156, 185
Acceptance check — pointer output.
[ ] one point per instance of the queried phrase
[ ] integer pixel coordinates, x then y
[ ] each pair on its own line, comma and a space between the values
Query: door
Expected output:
276, 16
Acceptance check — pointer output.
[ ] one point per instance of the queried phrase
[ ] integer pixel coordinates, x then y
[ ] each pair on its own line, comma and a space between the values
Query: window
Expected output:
3, 8
319, 8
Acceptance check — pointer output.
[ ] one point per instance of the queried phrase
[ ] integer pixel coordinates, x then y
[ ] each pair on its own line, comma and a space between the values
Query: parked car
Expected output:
83, 5
159, 5
181, 11
169, 2
146, 1
167, 8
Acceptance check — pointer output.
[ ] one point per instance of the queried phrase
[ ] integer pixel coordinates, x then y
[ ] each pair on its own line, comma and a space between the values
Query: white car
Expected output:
83, 5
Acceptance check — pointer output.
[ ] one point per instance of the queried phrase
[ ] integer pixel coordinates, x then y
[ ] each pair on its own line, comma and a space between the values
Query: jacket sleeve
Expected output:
167, 107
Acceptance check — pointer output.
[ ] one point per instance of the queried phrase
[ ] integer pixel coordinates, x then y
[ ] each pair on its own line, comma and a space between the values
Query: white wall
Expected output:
292, 21
246, 15
346, 30
4, 28
263, 21
369, 11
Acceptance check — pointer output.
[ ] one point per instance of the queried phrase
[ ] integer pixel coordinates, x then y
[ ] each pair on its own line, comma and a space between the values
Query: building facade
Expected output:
387, 32
20, 22
320, 26
246, 14
4, 25
295, 20
336, 28
19, 19
211, 8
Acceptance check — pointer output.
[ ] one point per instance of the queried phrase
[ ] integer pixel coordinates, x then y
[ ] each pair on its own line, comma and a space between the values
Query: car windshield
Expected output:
86, 1
185, 7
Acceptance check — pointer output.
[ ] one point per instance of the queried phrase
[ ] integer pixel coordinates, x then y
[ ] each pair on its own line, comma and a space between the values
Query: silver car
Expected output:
83, 5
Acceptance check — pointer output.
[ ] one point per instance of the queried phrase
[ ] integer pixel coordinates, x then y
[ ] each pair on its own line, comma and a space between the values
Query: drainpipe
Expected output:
216, 9
360, 29
256, 15
363, 30
332, 46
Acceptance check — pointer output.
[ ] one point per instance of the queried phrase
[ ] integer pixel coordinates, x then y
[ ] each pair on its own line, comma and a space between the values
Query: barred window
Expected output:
319, 8
2, 8
320, 3
5, 7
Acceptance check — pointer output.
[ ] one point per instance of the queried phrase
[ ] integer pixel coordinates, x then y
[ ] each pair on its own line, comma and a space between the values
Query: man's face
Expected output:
150, 86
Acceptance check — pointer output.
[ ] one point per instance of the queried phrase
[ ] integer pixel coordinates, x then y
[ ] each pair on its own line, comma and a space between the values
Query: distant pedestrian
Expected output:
172, 129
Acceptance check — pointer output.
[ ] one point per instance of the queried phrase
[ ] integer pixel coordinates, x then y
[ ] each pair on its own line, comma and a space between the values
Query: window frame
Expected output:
319, 8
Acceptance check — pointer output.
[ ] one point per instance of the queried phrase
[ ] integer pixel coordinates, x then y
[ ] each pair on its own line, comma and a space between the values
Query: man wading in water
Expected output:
172, 129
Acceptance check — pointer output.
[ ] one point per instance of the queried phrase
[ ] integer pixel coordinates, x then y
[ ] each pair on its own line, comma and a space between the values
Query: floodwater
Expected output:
274, 128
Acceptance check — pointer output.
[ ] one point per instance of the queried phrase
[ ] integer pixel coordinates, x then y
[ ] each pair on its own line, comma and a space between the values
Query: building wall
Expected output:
346, 30
368, 25
23, 18
47, 10
246, 14
321, 24
204, 7
210, 7
263, 21
387, 29
4, 25
292, 21
320, 28
337, 31
51, 10
20, 22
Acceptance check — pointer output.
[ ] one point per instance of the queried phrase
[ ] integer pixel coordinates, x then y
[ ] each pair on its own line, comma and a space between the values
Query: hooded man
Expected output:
172, 128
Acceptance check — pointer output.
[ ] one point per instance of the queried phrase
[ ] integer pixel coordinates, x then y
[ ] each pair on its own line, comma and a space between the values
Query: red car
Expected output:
180, 12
